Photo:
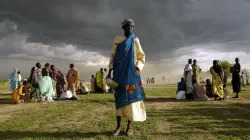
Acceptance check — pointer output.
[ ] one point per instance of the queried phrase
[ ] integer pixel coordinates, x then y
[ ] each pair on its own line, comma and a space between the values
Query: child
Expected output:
20, 91
209, 88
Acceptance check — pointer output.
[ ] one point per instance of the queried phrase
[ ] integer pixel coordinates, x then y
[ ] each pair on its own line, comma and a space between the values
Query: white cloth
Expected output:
226, 93
68, 94
181, 95
84, 88
19, 78
188, 77
133, 112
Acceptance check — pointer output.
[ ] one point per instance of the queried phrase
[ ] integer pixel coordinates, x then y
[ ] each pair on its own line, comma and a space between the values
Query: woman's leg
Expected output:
129, 130
118, 128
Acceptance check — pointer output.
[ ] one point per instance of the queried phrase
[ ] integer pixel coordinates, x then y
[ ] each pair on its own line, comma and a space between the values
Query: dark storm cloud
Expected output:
162, 26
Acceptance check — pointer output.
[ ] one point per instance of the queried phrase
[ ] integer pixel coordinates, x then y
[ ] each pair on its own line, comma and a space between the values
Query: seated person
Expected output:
20, 91
181, 90
199, 92
209, 88
44, 89
83, 89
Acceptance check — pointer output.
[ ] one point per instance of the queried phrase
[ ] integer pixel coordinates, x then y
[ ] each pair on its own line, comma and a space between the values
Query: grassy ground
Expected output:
93, 117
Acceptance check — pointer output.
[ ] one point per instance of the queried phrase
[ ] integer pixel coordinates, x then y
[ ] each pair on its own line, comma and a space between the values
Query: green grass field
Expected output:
93, 117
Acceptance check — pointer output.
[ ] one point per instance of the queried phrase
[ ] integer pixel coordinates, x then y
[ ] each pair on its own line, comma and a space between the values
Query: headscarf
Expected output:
15, 70
125, 21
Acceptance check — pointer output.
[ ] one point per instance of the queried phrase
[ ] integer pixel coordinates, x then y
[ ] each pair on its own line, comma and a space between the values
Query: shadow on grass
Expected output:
237, 134
164, 99
5, 94
103, 102
5, 101
48, 135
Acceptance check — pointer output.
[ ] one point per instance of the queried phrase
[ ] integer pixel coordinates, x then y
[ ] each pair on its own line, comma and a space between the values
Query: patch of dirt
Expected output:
5, 92
4, 118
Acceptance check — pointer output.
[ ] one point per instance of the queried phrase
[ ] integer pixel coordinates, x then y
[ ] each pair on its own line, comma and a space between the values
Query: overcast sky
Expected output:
170, 32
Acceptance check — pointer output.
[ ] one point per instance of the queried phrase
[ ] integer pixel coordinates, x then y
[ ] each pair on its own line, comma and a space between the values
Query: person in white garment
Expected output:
188, 78
19, 78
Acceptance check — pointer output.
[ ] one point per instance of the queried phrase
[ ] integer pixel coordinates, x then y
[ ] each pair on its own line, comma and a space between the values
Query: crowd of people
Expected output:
39, 84
190, 87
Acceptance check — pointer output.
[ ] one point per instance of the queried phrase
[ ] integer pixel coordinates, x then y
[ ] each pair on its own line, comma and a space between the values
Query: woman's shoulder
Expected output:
136, 39
119, 38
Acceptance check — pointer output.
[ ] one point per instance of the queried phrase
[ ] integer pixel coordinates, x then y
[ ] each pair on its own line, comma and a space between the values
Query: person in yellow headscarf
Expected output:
217, 79
20, 91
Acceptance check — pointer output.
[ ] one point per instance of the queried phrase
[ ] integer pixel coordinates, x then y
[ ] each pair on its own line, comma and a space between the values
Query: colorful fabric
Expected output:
45, 88
17, 93
99, 79
199, 92
46, 71
217, 83
72, 87
37, 75
243, 79
13, 80
92, 81
133, 112
73, 76
104, 82
139, 55
130, 88
181, 86
127, 21
196, 73
60, 82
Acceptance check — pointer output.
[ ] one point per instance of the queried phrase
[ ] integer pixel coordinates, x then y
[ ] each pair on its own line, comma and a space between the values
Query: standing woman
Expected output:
32, 82
126, 61
59, 78
236, 77
217, 80
196, 71
13, 80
